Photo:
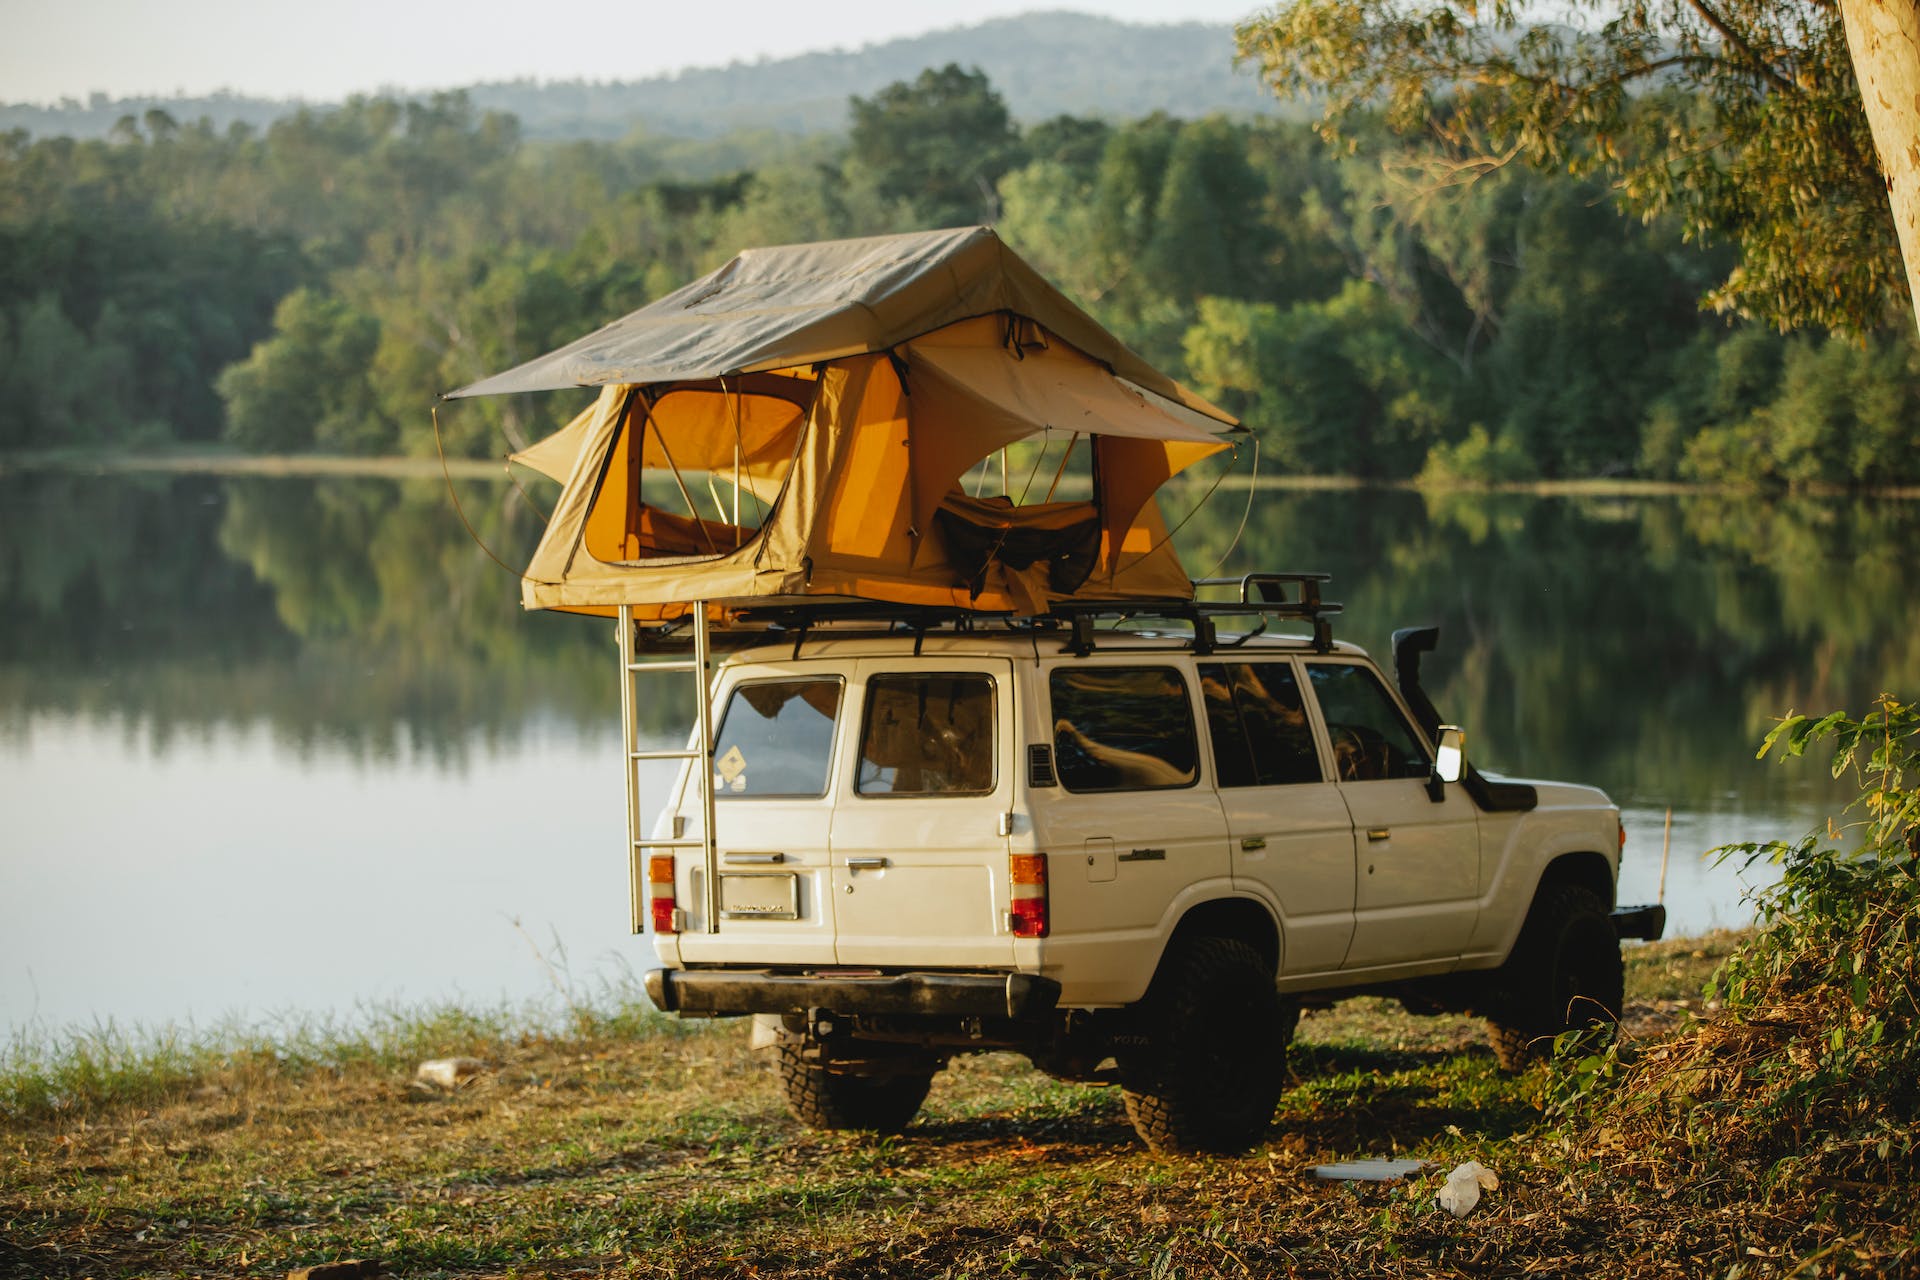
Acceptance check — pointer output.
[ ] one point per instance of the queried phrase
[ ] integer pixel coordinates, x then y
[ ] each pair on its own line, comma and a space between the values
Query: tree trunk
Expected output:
1884, 38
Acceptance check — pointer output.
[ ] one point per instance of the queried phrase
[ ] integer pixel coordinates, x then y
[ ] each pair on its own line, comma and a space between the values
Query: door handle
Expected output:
1377, 834
1253, 844
866, 864
755, 859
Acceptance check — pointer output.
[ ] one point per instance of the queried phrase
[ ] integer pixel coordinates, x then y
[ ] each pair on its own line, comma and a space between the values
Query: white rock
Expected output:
448, 1073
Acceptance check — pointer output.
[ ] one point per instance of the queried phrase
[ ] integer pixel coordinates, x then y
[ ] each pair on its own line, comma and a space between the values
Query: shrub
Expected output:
1814, 1068
1477, 461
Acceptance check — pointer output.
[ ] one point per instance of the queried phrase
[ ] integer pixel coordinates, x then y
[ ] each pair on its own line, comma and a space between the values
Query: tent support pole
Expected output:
1061, 470
736, 461
699, 522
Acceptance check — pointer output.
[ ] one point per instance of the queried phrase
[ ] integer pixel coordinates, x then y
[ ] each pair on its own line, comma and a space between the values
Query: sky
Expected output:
324, 50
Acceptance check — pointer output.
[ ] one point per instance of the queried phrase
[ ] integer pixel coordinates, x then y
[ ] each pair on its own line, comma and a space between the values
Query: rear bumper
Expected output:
1648, 923
720, 992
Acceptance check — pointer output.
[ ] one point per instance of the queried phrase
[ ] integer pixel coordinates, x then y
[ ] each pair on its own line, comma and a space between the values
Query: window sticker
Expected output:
776, 738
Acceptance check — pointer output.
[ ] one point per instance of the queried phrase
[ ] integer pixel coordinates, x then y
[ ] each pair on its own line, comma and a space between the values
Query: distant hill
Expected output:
1045, 64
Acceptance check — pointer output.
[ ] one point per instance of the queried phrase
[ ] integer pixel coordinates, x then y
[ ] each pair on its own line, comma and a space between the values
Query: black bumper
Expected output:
721, 992
1648, 923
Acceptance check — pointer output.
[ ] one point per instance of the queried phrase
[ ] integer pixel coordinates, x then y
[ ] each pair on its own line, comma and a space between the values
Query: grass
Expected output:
619, 1143
87, 1070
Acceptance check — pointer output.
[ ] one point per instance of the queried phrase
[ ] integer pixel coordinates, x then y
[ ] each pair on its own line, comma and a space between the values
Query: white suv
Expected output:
1128, 853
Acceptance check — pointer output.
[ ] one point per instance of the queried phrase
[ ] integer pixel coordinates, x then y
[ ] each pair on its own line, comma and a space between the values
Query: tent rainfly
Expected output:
841, 391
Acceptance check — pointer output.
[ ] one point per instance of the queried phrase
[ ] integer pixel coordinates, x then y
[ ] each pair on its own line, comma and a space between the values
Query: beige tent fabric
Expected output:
700, 479
973, 392
841, 525
555, 456
796, 305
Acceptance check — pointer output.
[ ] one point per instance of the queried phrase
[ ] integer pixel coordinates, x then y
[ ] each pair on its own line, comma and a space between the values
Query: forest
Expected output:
311, 287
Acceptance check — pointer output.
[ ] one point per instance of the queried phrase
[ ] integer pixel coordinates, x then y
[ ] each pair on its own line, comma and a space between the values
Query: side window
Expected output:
1371, 739
927, 735
776, 739
1258, 724
1122, 728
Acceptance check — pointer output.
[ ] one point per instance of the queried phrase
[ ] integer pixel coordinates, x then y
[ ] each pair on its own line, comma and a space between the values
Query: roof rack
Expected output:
1268, 596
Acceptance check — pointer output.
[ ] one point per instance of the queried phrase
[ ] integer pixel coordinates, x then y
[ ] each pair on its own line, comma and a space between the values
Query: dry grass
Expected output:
605, 1152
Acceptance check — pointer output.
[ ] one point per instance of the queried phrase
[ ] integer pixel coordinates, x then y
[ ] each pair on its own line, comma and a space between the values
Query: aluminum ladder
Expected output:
639, 843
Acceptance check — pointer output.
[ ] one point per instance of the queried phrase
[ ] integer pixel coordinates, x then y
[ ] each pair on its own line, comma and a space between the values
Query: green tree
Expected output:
939, 144
1842, 414
1336, 387
61, 386
307, 386
1586, 332
1209, 235
789, 204
1747, 124
1477, 459
1074, 142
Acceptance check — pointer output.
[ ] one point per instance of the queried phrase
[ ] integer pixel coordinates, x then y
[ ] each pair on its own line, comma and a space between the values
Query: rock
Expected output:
448, 1073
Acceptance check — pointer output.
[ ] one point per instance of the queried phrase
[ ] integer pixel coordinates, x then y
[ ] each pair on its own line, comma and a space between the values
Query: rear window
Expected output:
776, 739
1259, 724
927, 735
1122, 728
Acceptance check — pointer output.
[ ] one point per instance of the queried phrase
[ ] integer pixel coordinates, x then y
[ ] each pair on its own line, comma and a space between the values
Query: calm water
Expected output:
290, 746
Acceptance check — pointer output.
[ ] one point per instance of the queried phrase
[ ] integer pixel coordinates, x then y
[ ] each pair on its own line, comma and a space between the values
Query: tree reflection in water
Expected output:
1639, 642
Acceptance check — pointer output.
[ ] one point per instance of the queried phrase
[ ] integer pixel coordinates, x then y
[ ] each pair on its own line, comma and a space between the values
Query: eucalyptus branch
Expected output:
1779, 79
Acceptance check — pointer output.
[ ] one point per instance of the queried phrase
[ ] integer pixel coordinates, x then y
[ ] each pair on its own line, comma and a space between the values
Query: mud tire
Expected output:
1215, 1063
822, 1099
1565, 972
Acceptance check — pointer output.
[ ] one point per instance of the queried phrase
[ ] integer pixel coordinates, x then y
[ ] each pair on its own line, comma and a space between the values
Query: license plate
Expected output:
760, 895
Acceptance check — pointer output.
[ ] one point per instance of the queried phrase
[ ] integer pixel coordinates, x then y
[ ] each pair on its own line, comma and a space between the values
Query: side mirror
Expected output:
1450, 755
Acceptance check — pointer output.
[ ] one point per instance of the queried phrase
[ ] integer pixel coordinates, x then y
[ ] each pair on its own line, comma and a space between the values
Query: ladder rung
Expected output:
664, 755
677, 664
679, 842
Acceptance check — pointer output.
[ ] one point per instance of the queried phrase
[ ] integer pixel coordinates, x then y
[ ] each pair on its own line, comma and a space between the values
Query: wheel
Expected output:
822, 1099
1215, 1057
1565, 972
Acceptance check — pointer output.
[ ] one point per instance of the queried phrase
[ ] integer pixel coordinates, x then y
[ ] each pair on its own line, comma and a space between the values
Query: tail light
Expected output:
664, 911
1623, 833
1028, 872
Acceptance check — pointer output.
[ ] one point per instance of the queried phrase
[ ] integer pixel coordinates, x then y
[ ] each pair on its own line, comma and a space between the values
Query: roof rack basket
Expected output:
1265, 595
1273, 602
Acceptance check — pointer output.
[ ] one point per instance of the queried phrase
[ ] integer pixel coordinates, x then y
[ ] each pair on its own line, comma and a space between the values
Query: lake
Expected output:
289, 747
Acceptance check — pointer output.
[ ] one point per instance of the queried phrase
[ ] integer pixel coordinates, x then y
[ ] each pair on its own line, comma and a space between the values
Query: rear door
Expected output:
919, 866
775, 740
1291, 834
1133, 835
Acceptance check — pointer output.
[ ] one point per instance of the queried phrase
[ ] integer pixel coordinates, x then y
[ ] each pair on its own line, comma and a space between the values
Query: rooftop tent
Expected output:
838, 392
